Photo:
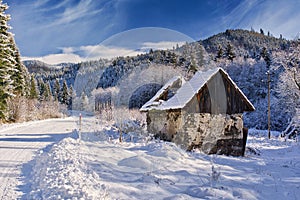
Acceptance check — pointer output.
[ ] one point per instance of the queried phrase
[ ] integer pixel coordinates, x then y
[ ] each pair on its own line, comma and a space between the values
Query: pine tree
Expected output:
21, 77
71, 97
42, 87
5, 63
47, 93
262, 31
13, 75
33, 92
64, 93
266, 56
229, 52
220, 52
56, 90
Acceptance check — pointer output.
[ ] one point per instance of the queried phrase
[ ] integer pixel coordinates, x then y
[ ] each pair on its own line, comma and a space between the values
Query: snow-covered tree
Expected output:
220, 52
81, 103
229, 52
266, 56
71, 97
47, 93
33, 92
20, 76
12, 72
64, 93
56, 90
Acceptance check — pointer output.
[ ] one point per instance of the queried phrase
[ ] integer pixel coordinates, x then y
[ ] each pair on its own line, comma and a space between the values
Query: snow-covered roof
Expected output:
155, 100
187, 91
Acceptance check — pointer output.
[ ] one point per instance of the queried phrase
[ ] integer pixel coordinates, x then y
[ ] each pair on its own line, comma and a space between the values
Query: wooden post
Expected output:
269, 106
120, 136
80, 121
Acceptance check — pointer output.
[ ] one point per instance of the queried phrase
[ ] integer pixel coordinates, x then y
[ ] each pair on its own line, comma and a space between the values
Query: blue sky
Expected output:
44, 27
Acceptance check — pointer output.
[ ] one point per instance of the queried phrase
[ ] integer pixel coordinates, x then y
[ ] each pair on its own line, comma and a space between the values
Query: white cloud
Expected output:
106, 51
54, 59
278, 17
94, 52
84, 53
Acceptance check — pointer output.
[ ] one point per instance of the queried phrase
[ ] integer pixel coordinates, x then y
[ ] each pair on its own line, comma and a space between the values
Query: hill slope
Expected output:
245, 55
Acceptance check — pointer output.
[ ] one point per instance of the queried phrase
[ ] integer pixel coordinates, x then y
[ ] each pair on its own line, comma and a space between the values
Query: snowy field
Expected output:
51, 160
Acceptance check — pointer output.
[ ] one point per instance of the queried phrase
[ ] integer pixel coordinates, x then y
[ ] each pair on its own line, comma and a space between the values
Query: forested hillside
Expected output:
247, 56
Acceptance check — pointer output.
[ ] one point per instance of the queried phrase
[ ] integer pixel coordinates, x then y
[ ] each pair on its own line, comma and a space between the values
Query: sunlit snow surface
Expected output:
99, 167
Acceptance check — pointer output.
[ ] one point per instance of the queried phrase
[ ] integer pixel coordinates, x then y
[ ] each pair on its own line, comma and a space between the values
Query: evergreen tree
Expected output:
72, 96
229, 52
220, 52
45, 92
262, 31
64, 93
33, 92
266, 56
12, 72
5, 63
20, 77
41, 86
56, 90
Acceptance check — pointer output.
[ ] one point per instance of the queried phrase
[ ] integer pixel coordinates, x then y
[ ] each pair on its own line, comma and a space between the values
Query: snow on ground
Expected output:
97, 166
19, 143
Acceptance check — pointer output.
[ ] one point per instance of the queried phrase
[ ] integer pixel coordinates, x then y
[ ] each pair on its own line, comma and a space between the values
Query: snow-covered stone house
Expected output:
205, 112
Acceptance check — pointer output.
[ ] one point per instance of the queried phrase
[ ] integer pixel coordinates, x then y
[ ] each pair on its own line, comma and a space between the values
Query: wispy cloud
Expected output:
40, 3
278, 17
46, 5
94, 52
74, 12
42, 26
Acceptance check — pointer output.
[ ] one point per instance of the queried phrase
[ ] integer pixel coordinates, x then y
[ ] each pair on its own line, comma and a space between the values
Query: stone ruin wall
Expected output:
163, 124
212, 134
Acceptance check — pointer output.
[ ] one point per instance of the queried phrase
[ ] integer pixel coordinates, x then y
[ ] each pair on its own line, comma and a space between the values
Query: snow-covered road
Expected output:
18, 146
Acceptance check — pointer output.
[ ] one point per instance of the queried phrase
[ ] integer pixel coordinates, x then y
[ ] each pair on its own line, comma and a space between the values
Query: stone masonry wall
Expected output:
164, 124
212, 134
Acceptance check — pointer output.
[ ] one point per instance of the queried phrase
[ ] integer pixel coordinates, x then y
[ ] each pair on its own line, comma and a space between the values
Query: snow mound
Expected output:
62, 174
135, 162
